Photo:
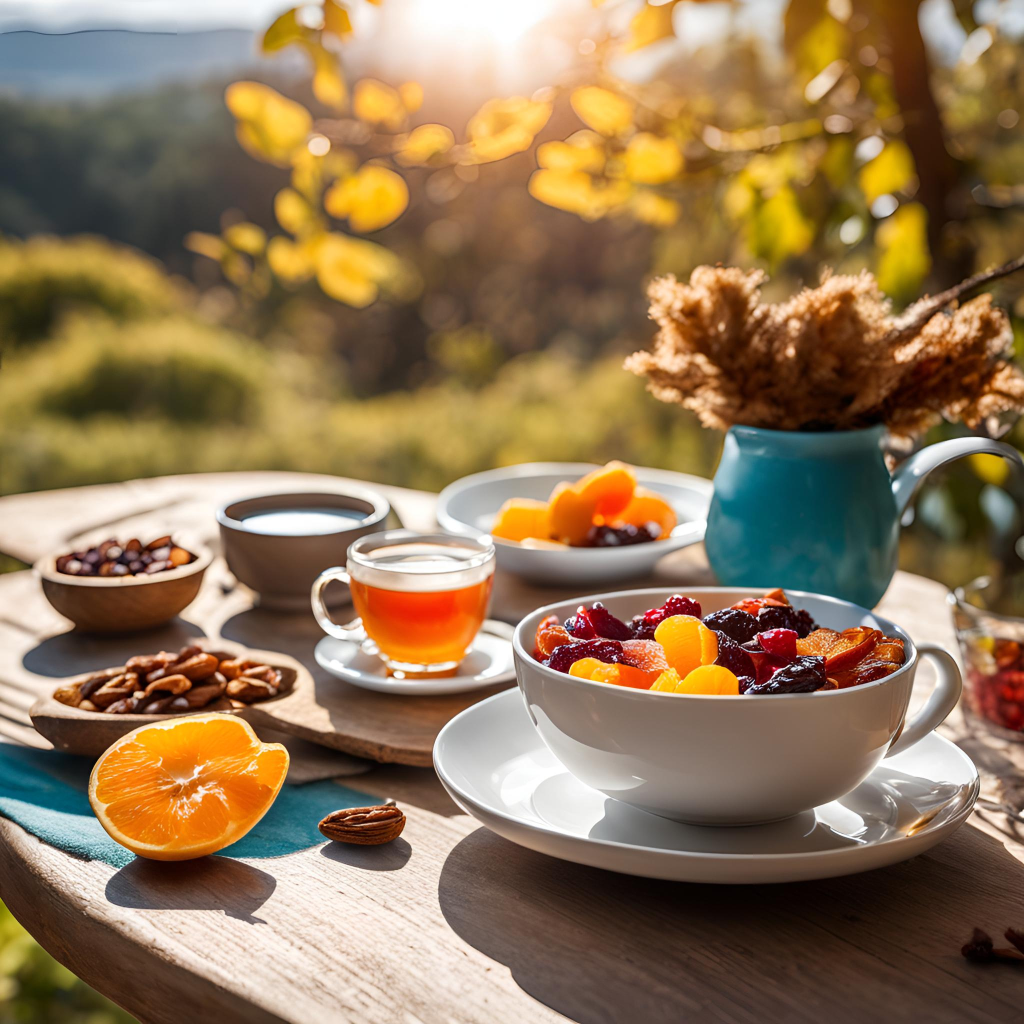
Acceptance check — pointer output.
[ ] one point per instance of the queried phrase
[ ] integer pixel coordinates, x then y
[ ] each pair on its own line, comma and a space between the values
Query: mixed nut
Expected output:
132, 558
166, 683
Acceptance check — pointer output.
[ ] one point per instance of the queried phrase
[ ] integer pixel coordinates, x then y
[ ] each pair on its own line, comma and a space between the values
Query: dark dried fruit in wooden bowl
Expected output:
166, 683
132, 558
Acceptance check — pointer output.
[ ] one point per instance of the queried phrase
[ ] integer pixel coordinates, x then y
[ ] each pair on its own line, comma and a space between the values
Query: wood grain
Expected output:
451, 923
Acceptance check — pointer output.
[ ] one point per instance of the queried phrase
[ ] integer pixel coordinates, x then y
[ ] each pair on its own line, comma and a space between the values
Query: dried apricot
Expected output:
687, 642
609, 488
570, 514
617, 675
551, 634
840, 650
520, 518
647, 655
648, 507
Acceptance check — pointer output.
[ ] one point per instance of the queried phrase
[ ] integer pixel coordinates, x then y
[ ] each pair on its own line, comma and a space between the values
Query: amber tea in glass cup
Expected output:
420, 598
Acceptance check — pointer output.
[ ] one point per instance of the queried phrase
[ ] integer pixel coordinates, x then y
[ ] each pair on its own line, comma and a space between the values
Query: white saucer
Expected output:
488, 663
496, 768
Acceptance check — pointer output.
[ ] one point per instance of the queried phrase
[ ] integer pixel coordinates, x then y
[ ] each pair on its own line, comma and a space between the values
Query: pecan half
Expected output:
146, 663
364, 826
123, 707
69, 695
169, 684
208, 690
199, 666
115, 689
92, 683
246, 689
232, 668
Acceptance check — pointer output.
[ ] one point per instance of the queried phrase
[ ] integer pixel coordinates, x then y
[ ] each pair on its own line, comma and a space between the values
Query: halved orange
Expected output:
186, 787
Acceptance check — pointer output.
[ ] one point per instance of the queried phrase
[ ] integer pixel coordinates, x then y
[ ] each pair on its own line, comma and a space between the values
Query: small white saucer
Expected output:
488, 663
496, 768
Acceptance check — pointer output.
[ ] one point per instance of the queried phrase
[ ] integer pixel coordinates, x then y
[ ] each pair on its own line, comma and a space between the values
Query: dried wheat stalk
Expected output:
829, 358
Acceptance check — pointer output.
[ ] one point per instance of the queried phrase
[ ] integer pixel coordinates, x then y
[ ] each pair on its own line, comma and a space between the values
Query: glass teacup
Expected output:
420, 598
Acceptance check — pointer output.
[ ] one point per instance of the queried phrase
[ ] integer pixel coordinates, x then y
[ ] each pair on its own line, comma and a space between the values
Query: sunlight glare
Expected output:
497, 21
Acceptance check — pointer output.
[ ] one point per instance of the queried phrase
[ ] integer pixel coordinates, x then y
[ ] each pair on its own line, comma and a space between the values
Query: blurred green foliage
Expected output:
35, 989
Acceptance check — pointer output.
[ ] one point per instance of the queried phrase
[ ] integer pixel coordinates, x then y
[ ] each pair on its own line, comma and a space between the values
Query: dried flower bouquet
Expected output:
831, 357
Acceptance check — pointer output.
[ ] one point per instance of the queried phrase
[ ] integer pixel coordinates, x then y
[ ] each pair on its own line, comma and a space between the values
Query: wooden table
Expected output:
451, 923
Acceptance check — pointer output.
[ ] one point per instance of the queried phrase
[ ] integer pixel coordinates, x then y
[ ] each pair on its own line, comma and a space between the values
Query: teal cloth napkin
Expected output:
47, 794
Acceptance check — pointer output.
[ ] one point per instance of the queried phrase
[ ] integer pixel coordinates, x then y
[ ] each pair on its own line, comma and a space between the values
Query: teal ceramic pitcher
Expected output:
817, 511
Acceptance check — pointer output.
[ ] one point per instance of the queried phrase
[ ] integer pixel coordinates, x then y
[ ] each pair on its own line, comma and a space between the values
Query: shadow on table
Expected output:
291, 633
210, 883
73, 653
369, 858
598, 946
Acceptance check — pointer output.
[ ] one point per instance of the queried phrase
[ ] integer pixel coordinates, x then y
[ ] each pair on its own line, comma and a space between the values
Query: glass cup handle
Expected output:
354, 629
941, 700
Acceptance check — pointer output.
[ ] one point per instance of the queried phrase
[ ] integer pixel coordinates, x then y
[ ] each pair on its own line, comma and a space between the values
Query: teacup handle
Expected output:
940, 702
351, 631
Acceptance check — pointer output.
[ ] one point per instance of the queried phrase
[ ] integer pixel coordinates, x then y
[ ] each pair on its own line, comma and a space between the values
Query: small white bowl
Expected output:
717, 760
473, 502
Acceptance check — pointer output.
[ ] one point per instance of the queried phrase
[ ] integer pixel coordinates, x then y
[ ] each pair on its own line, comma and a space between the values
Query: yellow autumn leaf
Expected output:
993, 469
502, 127
604, 111
378, 103
290, 261
422, 144
354, 270
371, 198
246, 237
652, 159
577, 192
211, 246
891, 171
336, 19
328, 81
411, 94
779, 229
270, 127
903, 255
284, 31
294, 213
649, 25
582, 151
650, 208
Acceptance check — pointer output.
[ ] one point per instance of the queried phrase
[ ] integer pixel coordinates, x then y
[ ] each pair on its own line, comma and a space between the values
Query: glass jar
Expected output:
987, 614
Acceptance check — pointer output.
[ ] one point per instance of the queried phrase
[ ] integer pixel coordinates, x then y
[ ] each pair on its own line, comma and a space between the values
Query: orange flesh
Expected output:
609, 489
688, 643
520, 518
186, 788
648, 507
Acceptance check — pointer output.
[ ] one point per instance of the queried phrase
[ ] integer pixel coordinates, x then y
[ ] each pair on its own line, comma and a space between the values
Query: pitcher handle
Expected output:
941, 700
911, 473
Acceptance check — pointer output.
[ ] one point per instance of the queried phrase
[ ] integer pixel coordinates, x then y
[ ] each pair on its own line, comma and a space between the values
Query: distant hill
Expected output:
101, 62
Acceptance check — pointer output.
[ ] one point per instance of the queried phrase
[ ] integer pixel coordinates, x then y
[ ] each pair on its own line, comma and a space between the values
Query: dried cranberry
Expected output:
739, 625
803, 675
580, 626
779, 642
734, 658
564, 657
607, 625
643, 626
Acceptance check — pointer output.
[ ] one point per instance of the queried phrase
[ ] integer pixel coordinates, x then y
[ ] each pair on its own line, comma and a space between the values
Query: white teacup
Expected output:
717, 760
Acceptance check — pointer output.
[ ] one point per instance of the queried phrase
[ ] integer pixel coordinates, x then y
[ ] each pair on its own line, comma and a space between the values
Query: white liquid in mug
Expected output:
303, 522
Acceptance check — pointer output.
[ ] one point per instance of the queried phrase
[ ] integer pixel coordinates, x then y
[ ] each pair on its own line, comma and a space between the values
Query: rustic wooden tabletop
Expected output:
452, 923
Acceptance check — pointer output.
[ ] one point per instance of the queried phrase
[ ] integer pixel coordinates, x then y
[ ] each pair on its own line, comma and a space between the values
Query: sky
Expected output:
430, 19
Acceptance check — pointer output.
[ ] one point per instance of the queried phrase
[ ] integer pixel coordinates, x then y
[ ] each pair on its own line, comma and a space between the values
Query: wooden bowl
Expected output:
117, 604
91, 732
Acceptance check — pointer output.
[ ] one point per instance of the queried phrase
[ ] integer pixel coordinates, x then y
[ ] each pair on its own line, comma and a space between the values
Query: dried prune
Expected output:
802, 675
607, 625
621, 536
734, 658
643, 626
738, 625
564, 657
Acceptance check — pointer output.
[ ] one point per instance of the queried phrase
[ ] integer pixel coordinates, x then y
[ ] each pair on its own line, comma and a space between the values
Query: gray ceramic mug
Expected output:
281, 566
